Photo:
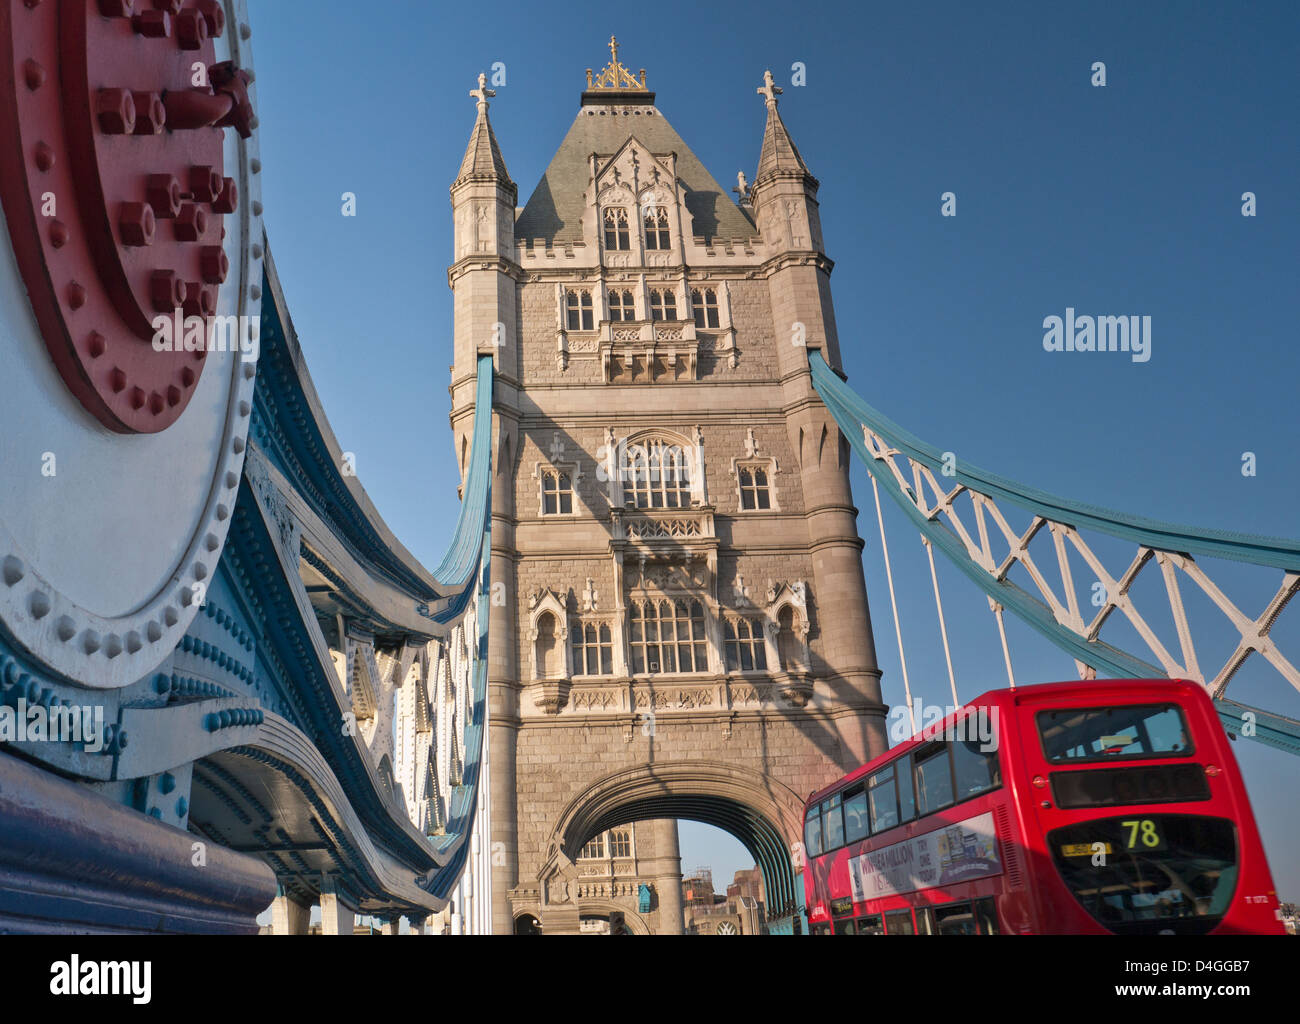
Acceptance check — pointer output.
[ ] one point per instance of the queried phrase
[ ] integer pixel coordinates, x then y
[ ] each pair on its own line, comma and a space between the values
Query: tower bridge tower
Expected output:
680, 626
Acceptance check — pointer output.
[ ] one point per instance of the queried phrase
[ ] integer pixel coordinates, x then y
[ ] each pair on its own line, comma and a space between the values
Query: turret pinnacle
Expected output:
483, 155
779, 151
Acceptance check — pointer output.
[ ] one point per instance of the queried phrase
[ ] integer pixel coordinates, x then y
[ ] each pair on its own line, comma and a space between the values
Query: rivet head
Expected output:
137, 398
39, 604
65, 629
95, 344
43, 156
76, 295
12, 570
58, 234
156, 403
33, 75
117, 379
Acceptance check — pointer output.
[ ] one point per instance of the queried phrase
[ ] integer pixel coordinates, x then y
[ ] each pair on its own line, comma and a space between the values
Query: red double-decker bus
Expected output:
1097, 807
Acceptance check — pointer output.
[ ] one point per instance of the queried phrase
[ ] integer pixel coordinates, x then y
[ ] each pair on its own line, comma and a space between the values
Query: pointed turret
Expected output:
483, 155
779, 152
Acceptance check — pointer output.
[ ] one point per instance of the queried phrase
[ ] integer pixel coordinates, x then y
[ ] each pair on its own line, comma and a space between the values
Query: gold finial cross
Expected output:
769, 90
482, 92
613, 50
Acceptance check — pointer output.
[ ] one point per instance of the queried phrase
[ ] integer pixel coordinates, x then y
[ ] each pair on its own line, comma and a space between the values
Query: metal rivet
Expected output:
44, 156
95, 344
58, 234
13, 570
76, 295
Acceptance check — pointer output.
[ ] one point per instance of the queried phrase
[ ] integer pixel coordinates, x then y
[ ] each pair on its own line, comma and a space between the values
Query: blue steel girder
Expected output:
881, 444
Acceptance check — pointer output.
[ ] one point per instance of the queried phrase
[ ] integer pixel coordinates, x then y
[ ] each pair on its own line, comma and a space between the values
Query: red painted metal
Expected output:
111, 176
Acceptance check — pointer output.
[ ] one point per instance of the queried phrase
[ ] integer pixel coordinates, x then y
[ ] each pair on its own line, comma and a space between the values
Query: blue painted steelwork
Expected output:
470, 549
852, 414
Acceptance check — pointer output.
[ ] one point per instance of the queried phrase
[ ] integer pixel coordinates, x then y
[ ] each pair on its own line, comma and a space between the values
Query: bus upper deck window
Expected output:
1114, 733
855, 815
906, 800
833, 823
812, 833
884, 799
933, 779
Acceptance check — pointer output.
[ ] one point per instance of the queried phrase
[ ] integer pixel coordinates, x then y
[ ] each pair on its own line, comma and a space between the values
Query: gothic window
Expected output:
616, 233
594, 850
656, 227
593, 649
621, 306
754, 492
550, 656
656, 475
620, 843
557, 493
744, 644
578, 304
663, 305
668, 636
705, 303
788, 647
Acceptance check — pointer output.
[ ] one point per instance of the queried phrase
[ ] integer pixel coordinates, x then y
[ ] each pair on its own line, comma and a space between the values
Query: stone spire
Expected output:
483, 155
779, 151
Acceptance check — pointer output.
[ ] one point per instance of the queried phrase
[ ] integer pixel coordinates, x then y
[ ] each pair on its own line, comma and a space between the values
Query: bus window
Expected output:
812, 833
924, 921
933, 779
987, 915
855, 816
976, 770
899, 922
870, 925
956, 919
884, 800
845, 927
833, 823
1105, 734
906, 802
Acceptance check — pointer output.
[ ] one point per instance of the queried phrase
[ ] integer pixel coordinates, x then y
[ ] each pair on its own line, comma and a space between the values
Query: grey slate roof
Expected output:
554, 210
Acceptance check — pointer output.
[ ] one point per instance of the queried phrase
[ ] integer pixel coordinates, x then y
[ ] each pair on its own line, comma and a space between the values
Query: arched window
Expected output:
616, 233
621, 306
788, 647
578, 305
594, 850
557, 493
548, 653
754, 492
593, 649
656, 474
620, 843
746, 650
705, 303
656, 227
668, 636
663, 305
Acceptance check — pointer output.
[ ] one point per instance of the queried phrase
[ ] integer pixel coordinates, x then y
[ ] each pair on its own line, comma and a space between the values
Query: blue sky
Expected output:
1117, 200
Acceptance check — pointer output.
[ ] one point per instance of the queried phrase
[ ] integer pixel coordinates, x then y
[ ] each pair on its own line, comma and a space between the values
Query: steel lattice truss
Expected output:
967, 513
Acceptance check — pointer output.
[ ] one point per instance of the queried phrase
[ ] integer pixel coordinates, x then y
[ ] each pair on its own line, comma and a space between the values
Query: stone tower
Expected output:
680, 625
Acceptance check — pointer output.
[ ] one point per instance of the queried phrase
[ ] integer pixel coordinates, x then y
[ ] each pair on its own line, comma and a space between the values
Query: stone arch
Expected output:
763, 813
599, 907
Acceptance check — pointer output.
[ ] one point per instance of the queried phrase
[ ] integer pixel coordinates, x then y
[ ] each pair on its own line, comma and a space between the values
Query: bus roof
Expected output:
1130, 690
